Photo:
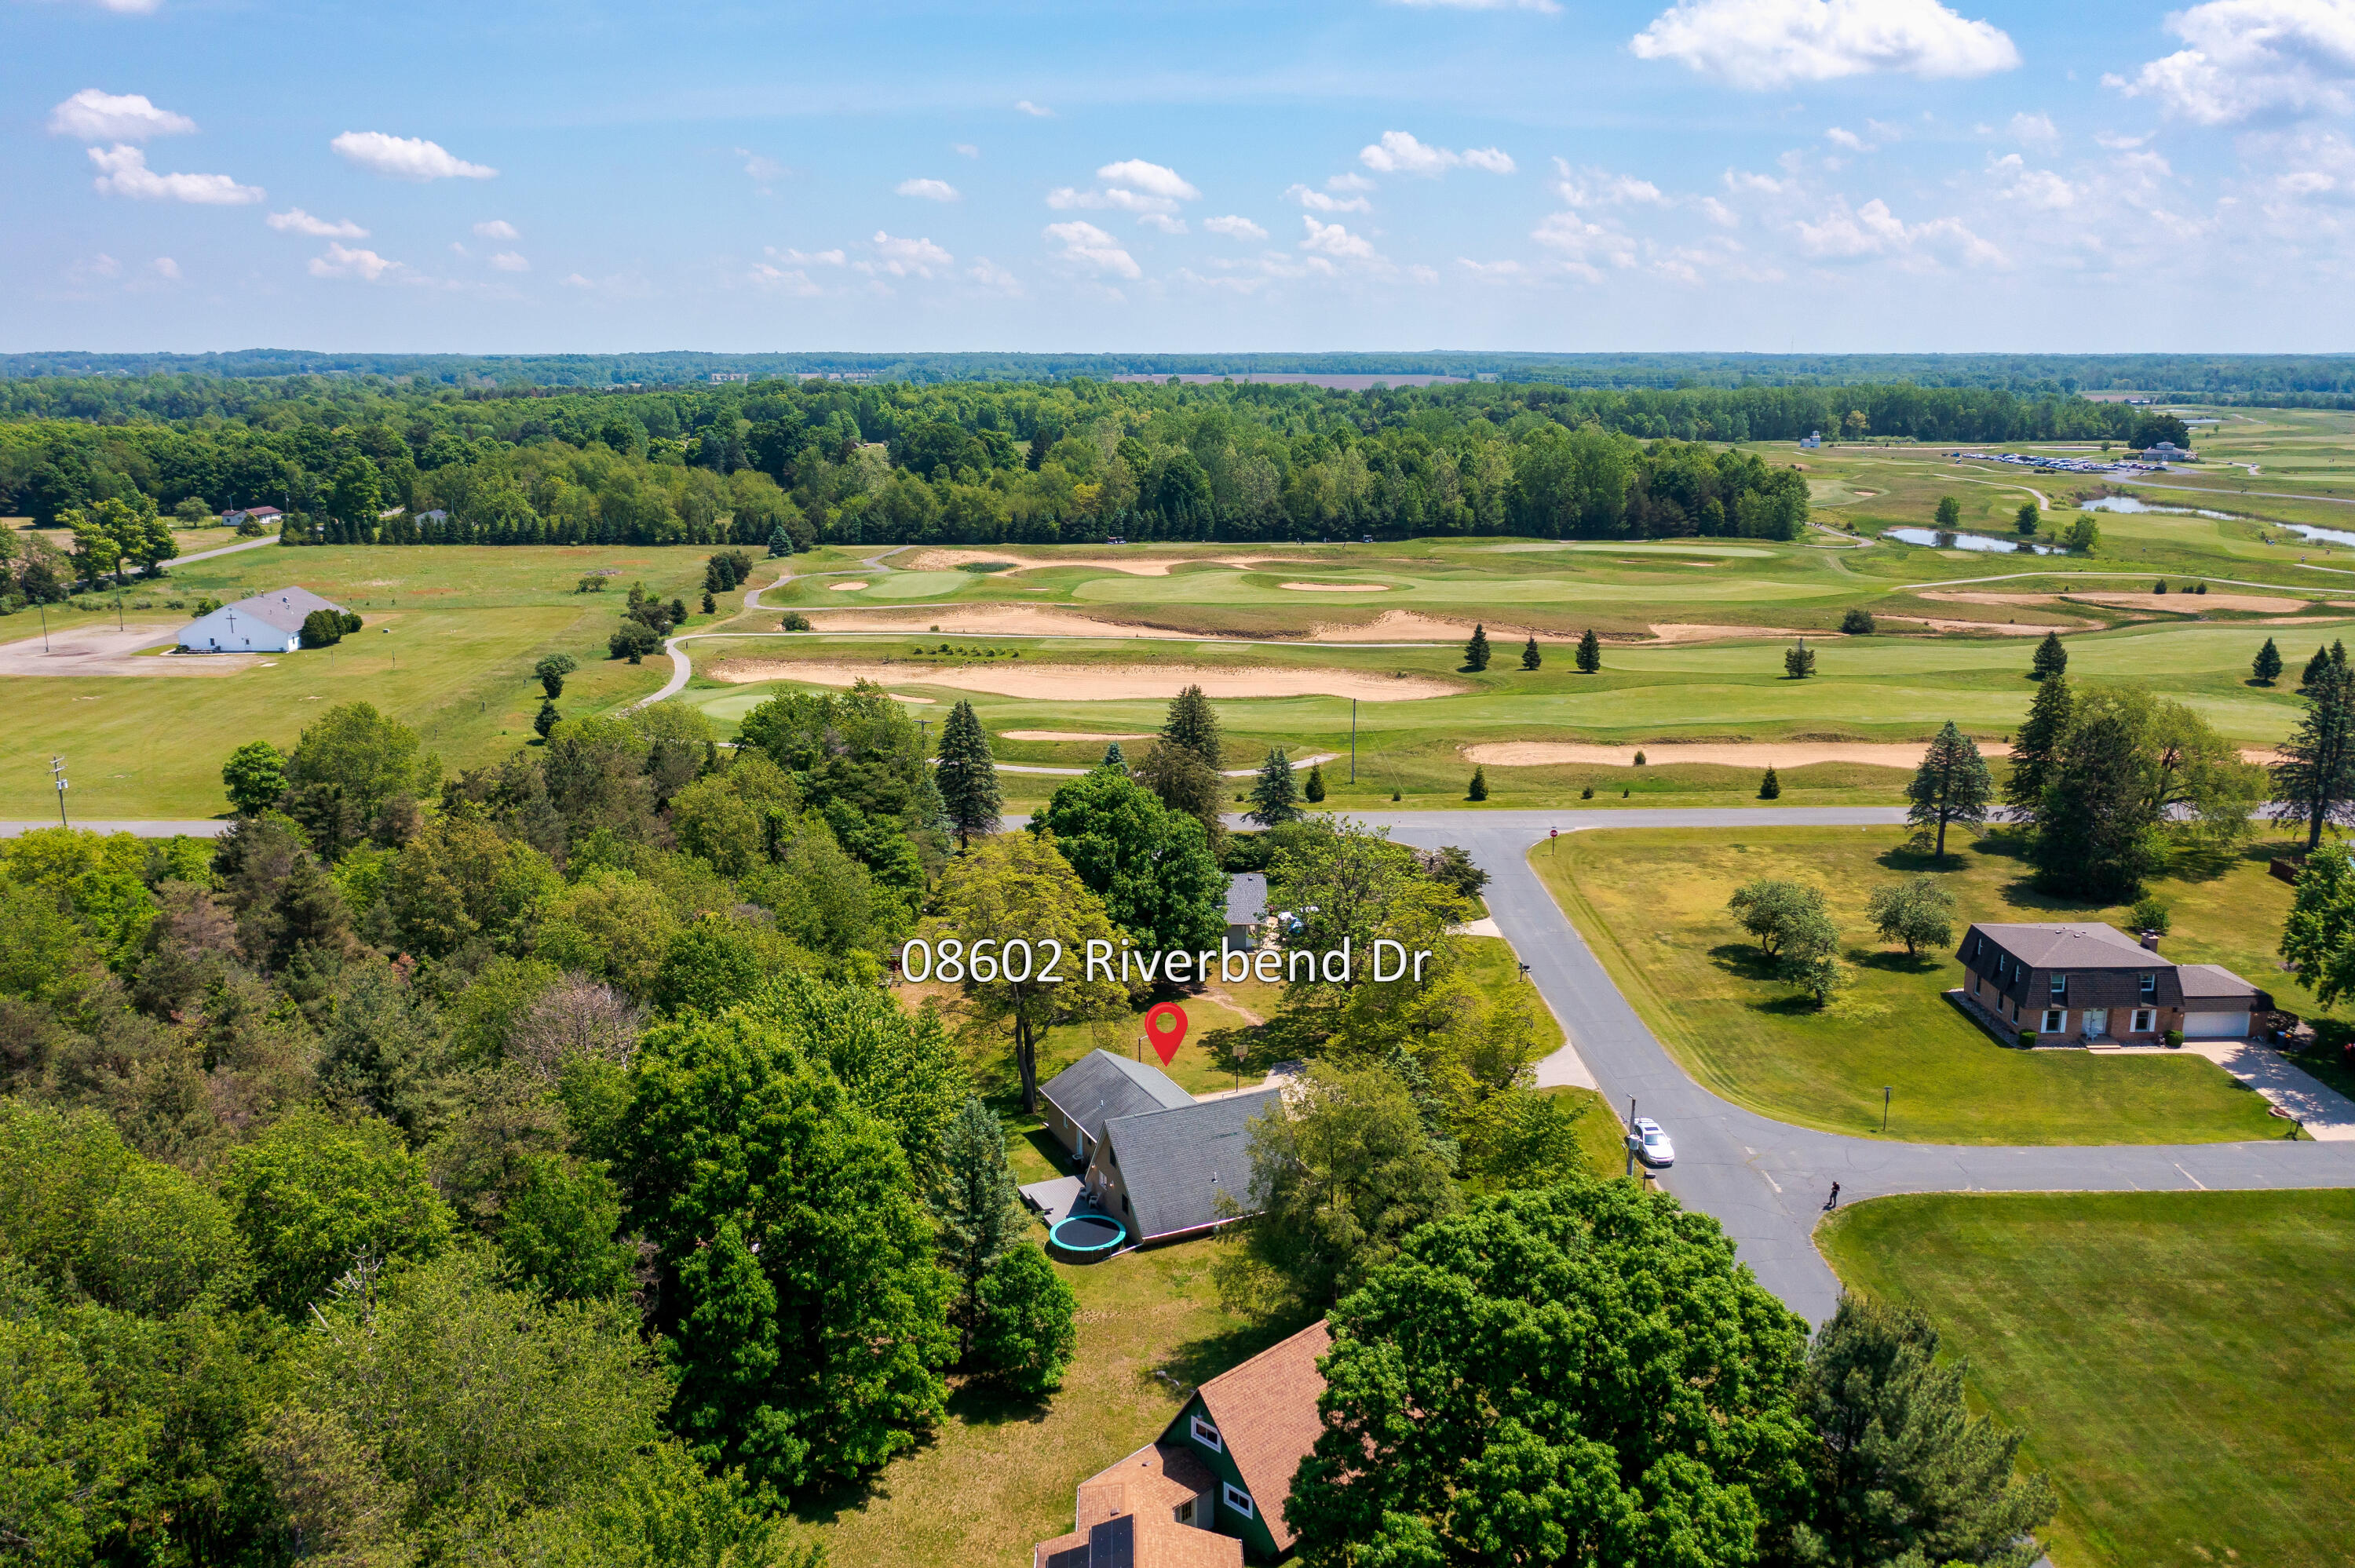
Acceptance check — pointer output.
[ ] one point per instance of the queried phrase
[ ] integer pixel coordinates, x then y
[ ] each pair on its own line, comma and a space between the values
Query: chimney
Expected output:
2151, 940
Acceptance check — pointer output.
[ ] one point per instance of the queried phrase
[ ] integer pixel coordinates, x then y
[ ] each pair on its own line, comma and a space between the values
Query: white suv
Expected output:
1650, 1142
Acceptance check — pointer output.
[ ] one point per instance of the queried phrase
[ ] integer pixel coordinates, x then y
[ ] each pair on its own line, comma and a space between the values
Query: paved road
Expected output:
208, 828
1765, 1180
224, 550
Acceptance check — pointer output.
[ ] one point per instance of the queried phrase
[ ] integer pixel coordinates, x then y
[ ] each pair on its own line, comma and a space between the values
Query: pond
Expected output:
2318, 535
1943, 540
2135, 504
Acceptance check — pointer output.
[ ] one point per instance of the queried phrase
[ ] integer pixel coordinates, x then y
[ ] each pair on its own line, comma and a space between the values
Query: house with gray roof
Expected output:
2085, 981
266, 623
1098, 1087
1181, 1171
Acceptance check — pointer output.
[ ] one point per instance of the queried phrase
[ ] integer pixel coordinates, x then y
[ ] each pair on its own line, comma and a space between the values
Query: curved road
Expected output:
1765, 1180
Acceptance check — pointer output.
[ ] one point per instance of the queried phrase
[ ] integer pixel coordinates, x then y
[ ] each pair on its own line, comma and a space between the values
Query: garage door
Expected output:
2215, 1025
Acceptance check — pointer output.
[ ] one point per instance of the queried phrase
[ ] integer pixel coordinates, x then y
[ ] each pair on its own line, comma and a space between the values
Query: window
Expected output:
1978, 945
2053, 1019
1237, 1499
2060, 985
2144, 1020
2150, 985
1185, 1512
1206, 1434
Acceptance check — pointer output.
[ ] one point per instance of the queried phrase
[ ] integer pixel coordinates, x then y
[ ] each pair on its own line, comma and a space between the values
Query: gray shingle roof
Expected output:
1100, 1086
1176, 1164
1246, 897
2214, 980
2070, 945
284, 608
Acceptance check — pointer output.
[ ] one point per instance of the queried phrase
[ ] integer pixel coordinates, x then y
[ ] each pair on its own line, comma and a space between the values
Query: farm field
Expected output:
1652, 904
2175, 1361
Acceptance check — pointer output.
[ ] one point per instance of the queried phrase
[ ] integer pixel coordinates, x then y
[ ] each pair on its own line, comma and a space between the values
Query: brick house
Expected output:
2083, 980
1211, 1492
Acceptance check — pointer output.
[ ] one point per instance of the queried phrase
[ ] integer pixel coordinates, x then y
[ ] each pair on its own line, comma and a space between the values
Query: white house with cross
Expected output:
266, 623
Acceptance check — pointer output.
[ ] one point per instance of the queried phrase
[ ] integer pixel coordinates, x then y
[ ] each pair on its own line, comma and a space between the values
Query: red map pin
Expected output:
1164, 1025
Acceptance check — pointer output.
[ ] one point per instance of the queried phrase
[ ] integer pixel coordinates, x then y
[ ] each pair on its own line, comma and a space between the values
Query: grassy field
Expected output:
2181, 1363
1652, 904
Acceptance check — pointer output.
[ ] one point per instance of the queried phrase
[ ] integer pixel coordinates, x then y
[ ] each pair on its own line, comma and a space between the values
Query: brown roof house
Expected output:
1210, 1492
2082, 981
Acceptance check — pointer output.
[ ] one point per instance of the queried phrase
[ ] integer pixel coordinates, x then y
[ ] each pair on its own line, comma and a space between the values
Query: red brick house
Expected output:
2078, 980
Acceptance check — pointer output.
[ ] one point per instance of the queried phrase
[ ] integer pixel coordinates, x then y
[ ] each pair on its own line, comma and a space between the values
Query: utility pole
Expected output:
45, 626
1631, 1136
57, 769
1353, 741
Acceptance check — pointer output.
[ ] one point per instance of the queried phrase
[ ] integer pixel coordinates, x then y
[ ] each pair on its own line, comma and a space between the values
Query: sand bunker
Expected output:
95, 651
1064, 735
1690, 631
1136, 566
1336, 588
1998, 628
1088, 683
843, 588
2194, 603
1392, 626
1730, 754
990, 620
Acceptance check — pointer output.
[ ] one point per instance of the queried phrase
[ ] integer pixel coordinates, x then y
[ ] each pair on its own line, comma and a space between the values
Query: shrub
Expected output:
2174, 1039
796, 621
1587, 793
2150, 915
2028, 1039
1479, 790
1857, 623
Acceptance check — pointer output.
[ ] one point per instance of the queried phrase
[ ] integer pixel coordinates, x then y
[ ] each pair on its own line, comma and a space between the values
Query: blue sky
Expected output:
1763, 174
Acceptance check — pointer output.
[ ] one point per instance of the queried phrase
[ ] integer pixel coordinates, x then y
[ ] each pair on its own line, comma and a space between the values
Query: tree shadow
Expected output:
1914, 858
1798, 1004
1196, 1361
977, 1402
1743, 959
1890, 961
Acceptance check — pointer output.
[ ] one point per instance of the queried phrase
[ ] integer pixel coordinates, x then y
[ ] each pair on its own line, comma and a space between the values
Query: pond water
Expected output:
2319, 536
1943, 540
2135, 504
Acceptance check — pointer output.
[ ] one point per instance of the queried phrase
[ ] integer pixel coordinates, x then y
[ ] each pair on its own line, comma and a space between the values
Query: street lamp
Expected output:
1885, 1092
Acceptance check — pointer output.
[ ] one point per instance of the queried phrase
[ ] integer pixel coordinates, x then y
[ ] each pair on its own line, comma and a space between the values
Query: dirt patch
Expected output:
843, 588
1136, 566
1690, 631
990, 620
1336, 588
1089, 682
91, 651
1730, 754
1064, 735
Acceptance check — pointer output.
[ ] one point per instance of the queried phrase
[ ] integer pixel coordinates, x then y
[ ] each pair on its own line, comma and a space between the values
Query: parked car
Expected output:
1650, 1142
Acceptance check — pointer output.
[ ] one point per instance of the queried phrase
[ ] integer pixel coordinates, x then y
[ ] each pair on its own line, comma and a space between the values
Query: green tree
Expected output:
2027, 520
1770, 788
255, 777
1771, 908
1798, 661
1917, 912
1182, 781
2319, 935
1478, 789
1152, 866
1475, 650
1193, 723
1590, 652
968, 776
70, 1456
544, 722
551, 672
1808, 957
357, 774
557, 1232
2266, 667
1902, 1472
1114, 757
2036, 748
2314, 780
1025, 1321
1274, 797
1015, 887
1340, 1174
803, 1315
1858, 622
1950, 513
1643, 1414
312, 1199
1951, 786
1313, 790
1530, 657
980, 1212
2094, 828
2314, 667
2084, 534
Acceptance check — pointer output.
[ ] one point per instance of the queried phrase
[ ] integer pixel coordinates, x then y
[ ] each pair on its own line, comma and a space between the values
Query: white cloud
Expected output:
763, 276
1773, 43
928, 190
2250, 58
1332, 239
1234, 228
295, 220
761, 170
1581, 244
2117, 143
1311, 197
1130, 186
95, 116
510, 261
406, 157
993, 277
129, 7
341, 261
1422, 274
1601, 187
906, 258
165, 268
2035, 130
1493, 272
1153, 179
1036, 112
497, 228
1716, 212
1398, 153
1546, 6
1164, 222
1849, 139
805, 259
2040, 188
1873, 231
966, 150
1350, 180
123, 171
1090, 247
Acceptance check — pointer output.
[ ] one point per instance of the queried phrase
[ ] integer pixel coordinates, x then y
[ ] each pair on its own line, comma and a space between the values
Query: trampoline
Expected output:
1085, 1238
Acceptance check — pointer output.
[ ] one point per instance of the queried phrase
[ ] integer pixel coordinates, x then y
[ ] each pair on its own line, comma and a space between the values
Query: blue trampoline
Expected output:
1085, 1238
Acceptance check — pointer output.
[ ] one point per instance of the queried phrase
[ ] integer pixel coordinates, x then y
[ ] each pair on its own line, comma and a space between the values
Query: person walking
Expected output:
1833, 1201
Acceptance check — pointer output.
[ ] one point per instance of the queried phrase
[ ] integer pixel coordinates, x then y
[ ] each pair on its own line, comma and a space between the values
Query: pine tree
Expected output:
1950, 513
1274, 796
968, 776
2314, 667
2093, 836
1770, 788
2315, 779
2034, 746
1475, 651
1530, 657
1479, 787
1799, 660
2052, 659
1193, 724
1114, 756
1951, 786
975, 1202
780, 542
1314, 791
1590, 652
2267, 666
545, 720
710, 605
2026, 523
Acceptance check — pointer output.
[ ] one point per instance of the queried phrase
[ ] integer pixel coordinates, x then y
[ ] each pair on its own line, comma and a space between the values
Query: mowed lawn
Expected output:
2182, 1364
1652, 904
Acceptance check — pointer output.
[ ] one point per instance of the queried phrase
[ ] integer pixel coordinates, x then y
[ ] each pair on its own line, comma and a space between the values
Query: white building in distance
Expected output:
266, 623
